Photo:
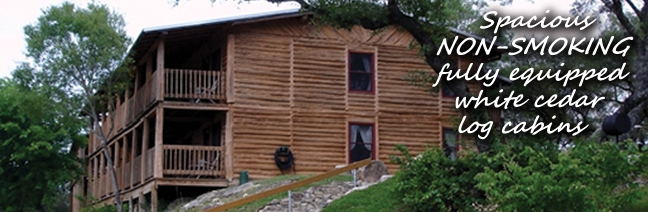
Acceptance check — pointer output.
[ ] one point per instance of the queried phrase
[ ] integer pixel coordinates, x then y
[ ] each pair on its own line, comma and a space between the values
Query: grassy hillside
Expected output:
376, 198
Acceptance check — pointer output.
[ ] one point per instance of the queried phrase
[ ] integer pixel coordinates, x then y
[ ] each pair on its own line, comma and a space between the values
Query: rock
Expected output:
217, 201
385, 178
374, 171
342, 166
238, 189
314, 198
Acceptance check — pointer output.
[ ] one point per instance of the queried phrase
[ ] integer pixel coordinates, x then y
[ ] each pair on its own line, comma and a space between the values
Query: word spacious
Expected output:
531, 23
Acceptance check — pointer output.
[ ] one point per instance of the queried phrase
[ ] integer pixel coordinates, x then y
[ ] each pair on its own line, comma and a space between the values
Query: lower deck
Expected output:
171, 146
154, 194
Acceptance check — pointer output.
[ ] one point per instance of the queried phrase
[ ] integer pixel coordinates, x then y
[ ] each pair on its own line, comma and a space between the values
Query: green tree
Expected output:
80, 53
35, 156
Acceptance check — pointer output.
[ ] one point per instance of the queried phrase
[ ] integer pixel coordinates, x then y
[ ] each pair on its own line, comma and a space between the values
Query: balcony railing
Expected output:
193, 161
179, 85
195, 85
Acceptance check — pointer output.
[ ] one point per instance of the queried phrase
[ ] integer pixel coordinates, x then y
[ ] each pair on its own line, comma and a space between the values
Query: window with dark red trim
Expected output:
361, 72
361, 142
450, 143
448, 93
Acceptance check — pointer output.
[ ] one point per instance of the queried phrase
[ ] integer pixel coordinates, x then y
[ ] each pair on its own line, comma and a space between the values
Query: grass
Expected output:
253, 206
378, 197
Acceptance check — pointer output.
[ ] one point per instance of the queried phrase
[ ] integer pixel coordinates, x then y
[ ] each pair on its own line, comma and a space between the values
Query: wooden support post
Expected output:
229, 168
130, 204
149, 67
159, 158
102, 173
136, 85
116, 165
132, 155
124, 183
141, 202
144, 148
154, 199
95, 173
160, 69
230, 69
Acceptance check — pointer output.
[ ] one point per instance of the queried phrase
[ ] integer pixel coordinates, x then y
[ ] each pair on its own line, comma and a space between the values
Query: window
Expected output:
361, 142
361, 72
450, 143
448, 93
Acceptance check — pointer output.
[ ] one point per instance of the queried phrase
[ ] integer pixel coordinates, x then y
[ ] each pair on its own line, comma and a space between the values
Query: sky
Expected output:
141, 14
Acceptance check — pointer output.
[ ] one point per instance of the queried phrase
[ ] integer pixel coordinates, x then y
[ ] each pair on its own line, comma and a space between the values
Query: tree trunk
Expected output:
113, 174
42, 207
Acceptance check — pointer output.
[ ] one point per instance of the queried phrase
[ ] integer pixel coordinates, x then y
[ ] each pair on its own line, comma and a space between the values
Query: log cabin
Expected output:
212, 99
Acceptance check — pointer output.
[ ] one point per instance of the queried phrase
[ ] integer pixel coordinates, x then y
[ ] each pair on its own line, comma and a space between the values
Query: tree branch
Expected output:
617, 8
634, 8
304, 5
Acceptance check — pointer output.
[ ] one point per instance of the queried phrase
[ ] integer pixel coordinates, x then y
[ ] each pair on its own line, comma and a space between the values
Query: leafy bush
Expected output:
432, 182
518, 176
588, 177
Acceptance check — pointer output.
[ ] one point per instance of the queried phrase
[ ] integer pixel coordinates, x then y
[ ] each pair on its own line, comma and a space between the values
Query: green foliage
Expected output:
79, 61
526, 176
79, 51
433, 182
435, 17
35, 141
588, 177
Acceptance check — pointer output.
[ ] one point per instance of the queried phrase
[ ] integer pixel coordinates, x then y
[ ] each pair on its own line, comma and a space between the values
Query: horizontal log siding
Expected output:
409, 115
261, 114
319, 80
290, 89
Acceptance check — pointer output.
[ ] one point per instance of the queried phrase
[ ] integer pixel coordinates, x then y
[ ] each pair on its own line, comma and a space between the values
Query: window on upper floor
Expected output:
361, 72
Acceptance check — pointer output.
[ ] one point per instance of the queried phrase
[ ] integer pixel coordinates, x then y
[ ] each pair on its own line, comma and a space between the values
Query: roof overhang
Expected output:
187, 37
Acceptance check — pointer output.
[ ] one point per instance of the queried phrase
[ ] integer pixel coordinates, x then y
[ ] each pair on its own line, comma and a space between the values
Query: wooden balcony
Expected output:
182, 85
193, 161
194, 85
182, 164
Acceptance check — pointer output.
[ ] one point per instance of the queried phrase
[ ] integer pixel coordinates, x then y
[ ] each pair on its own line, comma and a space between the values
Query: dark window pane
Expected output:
360, 82
360, 62
361, 142
448, 93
